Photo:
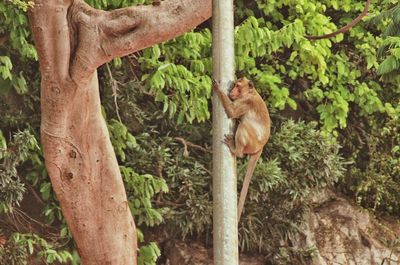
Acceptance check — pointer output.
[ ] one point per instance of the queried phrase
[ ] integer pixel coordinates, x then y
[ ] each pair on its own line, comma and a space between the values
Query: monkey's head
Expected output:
242, 87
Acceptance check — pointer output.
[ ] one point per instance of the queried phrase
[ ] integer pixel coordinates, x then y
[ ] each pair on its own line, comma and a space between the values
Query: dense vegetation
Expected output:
335, 124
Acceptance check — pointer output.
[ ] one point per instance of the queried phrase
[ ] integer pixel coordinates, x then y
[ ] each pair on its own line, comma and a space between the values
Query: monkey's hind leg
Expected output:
230, 142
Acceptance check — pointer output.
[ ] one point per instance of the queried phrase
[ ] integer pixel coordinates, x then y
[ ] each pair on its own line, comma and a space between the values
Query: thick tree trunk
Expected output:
73, 40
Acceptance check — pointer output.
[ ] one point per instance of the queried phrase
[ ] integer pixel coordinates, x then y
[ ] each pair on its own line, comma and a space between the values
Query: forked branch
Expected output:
101, 36
345, 28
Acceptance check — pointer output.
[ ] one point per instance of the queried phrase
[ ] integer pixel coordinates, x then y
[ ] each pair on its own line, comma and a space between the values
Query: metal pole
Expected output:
224, 164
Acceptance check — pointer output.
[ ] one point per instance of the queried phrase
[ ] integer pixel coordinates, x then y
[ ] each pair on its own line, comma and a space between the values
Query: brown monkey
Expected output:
254, 128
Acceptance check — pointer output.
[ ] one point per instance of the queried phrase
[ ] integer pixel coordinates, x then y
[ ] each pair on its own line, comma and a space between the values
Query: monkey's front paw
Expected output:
215, 84
229, 140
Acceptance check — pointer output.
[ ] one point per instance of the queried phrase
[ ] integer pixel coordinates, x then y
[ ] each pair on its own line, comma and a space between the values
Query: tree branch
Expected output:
106, 35
177, 16
345, 28
187, 144
114, 87
53, 62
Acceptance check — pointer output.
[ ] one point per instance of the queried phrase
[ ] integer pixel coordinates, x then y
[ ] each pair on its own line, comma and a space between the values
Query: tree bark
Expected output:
73, 40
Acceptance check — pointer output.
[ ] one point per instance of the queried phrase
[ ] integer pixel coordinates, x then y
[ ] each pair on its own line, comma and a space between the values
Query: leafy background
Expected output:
334, 105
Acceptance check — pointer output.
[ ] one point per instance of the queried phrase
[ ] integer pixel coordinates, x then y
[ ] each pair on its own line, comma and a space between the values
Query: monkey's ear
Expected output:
251, 84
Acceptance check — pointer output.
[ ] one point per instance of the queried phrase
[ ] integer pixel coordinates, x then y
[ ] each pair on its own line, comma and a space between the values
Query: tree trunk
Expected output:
73, 40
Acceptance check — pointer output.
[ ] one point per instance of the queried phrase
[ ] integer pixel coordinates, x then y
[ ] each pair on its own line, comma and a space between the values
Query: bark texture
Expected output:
73, 40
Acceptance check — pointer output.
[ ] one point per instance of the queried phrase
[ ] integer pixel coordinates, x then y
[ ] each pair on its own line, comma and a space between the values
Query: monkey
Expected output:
253, 130
345, 28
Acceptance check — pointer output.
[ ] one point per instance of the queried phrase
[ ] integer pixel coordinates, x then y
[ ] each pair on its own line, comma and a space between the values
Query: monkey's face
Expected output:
242, 87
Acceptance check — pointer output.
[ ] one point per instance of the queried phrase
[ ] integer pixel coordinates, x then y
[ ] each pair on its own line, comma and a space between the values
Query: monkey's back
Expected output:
257, 118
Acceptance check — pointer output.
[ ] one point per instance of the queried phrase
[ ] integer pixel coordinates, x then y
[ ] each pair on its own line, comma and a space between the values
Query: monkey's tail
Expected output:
246, 182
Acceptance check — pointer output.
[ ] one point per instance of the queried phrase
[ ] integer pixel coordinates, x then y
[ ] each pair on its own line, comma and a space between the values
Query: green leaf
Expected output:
45, 190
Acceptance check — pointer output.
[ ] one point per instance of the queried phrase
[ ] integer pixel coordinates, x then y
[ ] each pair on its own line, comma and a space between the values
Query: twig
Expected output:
37, 197
389, 258
187, 144
168, 203
160, 167
3, 40
114, 87
30, 219
132, 64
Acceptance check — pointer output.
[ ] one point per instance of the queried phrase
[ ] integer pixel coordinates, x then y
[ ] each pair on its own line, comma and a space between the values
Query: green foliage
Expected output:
375, 178
14, 23
18, 150
390, 49
15, 35
21, 4
112, 4
120, 138
8, 80
287, 60
391, 65
189, 199
271, 49
5, 67
178, 74
148, 254
141, 189
19, 247
38, 177
3, 144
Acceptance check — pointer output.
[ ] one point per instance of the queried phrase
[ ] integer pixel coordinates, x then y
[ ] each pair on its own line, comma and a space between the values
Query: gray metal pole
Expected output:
224, 164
